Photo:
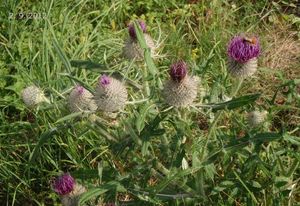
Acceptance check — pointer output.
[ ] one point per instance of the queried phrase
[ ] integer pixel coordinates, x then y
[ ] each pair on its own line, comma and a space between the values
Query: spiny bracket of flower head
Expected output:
110, 94
178, 71
33, 95
256, 118
63, 184
181, 90
242, 48
81, 99
132, 31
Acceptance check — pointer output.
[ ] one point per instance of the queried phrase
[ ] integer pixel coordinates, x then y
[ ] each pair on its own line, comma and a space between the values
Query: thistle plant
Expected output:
81, 99
68, 189
256, 118
110, 95
33, 95
181, 89
243, 52
132, 49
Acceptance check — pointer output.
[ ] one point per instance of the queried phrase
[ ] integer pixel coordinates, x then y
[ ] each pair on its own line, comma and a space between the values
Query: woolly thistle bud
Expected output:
68, 189
178, 71
255, 118
33, 95
131, 29
132, 49
110, 95
243, 53
81, 99
181, 90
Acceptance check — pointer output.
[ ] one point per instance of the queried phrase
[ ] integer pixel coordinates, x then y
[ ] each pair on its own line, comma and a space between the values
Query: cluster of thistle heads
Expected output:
179, 91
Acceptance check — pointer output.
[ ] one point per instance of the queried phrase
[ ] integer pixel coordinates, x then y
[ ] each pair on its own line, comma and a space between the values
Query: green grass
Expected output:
140, 153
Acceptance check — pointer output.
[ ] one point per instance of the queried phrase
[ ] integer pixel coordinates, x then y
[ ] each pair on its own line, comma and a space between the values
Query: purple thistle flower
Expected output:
79, 89
242, 49
132, 30
63, 184
104, 80
178, 71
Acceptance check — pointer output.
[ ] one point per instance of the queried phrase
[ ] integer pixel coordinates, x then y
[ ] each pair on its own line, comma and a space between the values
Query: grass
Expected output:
150, 154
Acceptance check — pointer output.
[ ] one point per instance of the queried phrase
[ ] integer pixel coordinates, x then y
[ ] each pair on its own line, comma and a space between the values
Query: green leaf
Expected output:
63, 57
217, 190
292, 139
69, 117
95, 192
255, 184
245, 186
257, 139
147, 52
91, 193
227, 183
133, 134
86, 64
86, 86
235, 103
281, 181
222, 186
85, 173
144, 149
150, 129
141, 115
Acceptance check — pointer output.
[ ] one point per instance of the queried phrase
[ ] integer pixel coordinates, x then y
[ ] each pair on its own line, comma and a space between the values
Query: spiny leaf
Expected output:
258, 138
235, 103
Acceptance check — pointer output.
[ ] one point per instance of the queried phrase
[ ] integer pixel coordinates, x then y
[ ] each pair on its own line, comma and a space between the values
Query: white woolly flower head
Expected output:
132, 49
110, 95
181, 89
81, 99
33, 95
256, 118
72, 199
242, 70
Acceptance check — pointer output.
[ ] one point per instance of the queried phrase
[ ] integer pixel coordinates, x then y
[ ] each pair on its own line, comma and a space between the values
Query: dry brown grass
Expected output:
280, 61
282, 51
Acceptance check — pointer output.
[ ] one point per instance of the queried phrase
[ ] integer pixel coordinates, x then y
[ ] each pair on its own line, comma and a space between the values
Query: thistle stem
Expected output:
235, 89
146, 83
211, 131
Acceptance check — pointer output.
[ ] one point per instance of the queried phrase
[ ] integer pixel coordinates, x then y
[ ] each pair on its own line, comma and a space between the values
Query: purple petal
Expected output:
178, 71
63, 184
104, 80
79, 89
243, 49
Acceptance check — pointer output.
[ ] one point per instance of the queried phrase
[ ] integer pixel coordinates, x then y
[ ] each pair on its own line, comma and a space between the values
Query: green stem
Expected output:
211, 131
146, 83
235, 90
160, 167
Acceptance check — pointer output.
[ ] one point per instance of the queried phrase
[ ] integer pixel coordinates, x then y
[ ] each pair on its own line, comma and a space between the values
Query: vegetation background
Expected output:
147, 154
